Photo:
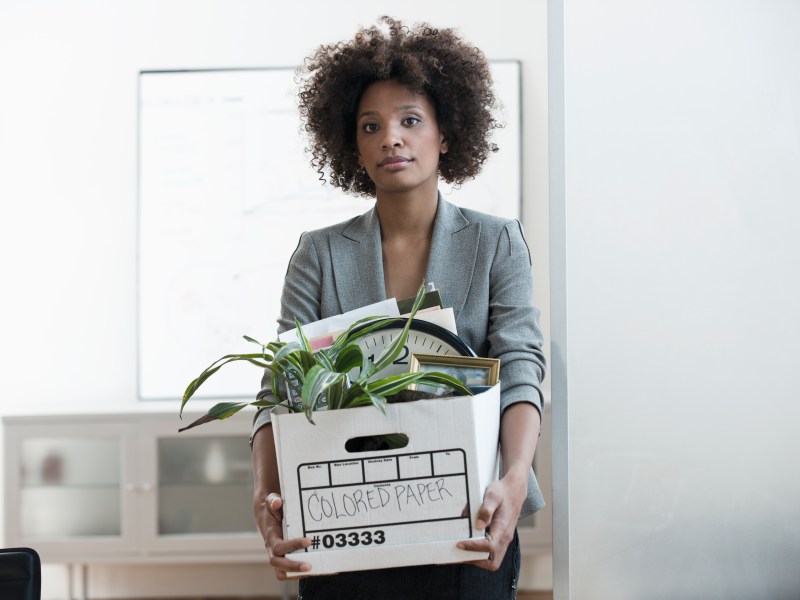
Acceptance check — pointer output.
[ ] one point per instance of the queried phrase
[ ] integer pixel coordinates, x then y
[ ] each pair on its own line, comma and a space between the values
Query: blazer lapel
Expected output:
358, 262
358, 259
454, 249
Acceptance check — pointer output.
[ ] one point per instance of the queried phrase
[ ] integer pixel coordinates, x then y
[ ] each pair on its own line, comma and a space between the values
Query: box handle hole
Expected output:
371, 443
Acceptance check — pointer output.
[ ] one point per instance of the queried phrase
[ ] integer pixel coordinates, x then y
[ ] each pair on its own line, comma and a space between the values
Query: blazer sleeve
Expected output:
514, 334
300, 300
301, 295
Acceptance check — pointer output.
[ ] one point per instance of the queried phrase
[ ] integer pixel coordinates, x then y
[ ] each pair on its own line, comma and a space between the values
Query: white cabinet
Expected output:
129, 488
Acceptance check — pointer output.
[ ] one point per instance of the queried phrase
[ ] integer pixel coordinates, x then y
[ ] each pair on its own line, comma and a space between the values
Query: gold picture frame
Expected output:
472, 371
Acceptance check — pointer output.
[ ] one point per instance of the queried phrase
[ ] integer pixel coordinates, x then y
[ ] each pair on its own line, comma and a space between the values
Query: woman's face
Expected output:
398, 138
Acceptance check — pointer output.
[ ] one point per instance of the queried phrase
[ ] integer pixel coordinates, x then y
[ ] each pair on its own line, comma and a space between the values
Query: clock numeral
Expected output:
401, 360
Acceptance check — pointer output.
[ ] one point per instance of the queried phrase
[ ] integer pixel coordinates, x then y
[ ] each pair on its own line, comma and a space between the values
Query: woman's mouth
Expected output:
394, 163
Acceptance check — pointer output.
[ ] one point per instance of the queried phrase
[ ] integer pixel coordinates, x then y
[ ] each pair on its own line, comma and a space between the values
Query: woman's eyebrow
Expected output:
401, 107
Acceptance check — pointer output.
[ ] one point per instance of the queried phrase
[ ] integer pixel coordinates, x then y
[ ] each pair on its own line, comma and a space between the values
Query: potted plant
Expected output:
303, 380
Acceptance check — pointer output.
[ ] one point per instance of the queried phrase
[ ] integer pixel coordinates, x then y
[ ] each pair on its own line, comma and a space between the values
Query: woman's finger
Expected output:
281, 563
491, 500
481, 545
281, 547
495, 548
275, 505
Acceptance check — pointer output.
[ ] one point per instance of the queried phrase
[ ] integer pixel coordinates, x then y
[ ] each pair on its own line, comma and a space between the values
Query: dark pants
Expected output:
434, 582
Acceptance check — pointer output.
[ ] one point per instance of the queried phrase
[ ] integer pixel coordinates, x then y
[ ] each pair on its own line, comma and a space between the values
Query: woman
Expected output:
389, 113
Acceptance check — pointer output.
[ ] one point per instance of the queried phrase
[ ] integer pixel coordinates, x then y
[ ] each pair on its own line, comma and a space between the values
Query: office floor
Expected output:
520, 596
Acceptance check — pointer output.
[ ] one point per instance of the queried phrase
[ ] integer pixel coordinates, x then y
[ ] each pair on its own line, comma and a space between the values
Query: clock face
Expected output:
423, 338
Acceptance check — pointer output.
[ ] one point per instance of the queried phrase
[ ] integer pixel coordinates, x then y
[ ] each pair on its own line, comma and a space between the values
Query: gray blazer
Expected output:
481, 266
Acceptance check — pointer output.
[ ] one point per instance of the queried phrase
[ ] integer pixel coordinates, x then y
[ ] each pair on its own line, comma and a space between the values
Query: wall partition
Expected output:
675, 145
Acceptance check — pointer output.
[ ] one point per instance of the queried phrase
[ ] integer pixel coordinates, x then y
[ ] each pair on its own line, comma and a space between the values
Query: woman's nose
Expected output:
391, 138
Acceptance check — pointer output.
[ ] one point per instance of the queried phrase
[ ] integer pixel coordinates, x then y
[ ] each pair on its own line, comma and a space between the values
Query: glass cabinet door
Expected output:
69, 487
204, 485
201, 504
128, 486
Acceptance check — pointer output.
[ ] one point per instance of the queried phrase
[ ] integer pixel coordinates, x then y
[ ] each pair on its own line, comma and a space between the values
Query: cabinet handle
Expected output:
147, 486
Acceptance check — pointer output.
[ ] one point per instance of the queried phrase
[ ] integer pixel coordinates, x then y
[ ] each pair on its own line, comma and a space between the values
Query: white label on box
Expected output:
385, 500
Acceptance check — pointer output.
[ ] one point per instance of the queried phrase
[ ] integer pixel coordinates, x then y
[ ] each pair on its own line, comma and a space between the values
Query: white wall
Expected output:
675, 258
68, 157
68, 74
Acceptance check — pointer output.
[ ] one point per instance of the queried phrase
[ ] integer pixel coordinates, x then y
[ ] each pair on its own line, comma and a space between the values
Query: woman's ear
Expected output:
443, 146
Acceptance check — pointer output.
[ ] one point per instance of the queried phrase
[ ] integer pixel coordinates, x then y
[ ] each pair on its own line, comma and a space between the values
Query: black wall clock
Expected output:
423, 337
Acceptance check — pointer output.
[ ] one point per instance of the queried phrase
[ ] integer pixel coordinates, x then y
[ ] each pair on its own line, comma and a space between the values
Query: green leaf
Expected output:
303, 339
435, 378
318, 379
223, 410
255, 341
348, 337
378, 402
324, 359
275, 346
393, 350
275, 384
265, 403
334, 393
356, 391
391, 385
351, 357
216, 366
293, 358
286, 349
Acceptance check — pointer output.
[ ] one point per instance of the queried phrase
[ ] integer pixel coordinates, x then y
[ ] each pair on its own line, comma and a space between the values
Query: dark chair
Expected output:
20, 574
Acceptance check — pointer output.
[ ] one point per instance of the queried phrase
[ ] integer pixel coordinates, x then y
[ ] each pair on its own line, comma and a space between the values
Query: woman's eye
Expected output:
410, 121
370, 127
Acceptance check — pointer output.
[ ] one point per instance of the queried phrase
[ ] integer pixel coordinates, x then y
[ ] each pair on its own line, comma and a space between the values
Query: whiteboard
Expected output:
225, 190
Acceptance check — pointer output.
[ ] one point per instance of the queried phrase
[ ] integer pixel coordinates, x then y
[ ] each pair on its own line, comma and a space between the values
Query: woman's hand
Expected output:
268, 506
498, 514
502, 502
277, 547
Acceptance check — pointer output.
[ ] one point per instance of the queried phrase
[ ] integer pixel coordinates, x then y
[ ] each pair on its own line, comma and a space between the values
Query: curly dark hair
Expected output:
436, 63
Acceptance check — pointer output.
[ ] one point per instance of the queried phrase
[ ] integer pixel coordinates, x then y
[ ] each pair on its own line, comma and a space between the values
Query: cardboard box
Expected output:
390, 508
